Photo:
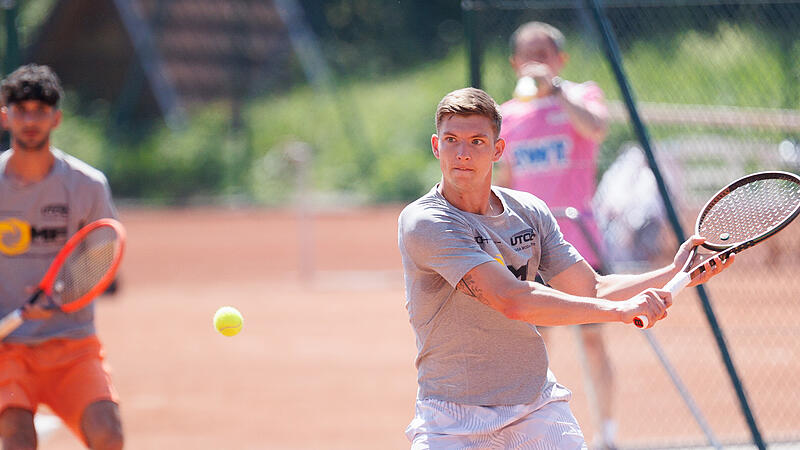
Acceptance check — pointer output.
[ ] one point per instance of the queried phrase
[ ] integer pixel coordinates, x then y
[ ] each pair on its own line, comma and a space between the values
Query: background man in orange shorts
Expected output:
46, 196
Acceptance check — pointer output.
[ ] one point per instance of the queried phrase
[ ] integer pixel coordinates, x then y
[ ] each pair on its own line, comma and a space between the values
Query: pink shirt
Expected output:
550, 159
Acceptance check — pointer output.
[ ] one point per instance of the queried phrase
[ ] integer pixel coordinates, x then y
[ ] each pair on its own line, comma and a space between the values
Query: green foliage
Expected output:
175, 165
81, 133
727, 64
28, 15
377, 36
369, 136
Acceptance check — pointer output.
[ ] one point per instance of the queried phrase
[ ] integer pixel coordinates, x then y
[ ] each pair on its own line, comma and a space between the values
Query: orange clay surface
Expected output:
325, 357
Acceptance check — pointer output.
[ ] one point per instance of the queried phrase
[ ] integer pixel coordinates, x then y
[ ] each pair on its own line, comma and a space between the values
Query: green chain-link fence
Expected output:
717, 85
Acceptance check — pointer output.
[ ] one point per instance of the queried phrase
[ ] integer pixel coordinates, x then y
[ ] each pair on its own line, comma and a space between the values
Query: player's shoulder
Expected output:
79, 170
515, 199
508, 104
430, 209
513, 108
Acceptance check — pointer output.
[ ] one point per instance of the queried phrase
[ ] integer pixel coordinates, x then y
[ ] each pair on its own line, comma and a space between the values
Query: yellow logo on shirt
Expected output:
499, 258
15, 236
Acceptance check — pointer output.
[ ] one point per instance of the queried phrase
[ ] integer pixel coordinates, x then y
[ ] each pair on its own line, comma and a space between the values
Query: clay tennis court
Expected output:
325, 358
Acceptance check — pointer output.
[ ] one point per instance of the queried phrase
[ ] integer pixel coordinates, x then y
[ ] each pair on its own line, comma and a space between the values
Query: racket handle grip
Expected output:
678, 282
10, 323
675, 285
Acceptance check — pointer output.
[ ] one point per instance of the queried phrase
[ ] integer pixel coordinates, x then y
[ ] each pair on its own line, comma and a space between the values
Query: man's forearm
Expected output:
542, 305
624, 286
588, 123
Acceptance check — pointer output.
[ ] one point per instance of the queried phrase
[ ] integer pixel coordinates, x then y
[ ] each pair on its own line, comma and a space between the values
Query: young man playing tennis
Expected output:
552, 145
469, 250
45, 196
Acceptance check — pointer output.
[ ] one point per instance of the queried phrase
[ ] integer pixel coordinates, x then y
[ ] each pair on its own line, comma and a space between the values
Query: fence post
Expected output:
11, 59
470, 13
12, 55
615, 60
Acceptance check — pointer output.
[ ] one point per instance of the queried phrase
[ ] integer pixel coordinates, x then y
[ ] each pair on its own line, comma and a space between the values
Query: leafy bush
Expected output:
368, 137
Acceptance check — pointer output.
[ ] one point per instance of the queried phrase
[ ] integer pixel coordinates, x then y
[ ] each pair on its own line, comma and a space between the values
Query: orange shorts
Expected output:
65, 374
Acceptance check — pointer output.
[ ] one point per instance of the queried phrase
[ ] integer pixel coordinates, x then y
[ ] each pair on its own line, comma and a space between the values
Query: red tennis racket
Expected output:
82, 270
744, 213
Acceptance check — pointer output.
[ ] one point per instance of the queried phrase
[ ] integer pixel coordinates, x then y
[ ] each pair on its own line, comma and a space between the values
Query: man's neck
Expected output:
476, 201
30, 166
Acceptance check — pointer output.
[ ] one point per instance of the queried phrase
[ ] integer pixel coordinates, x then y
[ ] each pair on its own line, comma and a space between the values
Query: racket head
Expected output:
749, 210
86, 265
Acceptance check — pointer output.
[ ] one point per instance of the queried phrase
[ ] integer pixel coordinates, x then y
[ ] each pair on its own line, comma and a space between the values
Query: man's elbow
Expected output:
509, 305
595, 132
599, 130
515, 312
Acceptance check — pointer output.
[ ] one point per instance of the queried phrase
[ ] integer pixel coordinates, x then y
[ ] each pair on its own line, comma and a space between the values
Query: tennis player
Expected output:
46, 196
552, 146
469, 252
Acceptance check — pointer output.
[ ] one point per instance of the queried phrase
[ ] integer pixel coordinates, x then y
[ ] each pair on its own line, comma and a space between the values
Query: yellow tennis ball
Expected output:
228, 321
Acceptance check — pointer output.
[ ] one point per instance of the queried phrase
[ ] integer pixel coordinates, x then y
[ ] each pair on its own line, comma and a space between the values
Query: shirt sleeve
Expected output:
440, 241
594, 97
557, 254
102, 205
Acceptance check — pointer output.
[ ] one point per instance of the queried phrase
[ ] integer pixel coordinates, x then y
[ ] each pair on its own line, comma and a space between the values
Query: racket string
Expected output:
752, 210
86, 266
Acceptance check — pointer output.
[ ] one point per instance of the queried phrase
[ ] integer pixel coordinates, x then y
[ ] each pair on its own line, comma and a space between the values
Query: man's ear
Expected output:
514, 65
499, 148
564, 58
435, 145
3, 116
57, 118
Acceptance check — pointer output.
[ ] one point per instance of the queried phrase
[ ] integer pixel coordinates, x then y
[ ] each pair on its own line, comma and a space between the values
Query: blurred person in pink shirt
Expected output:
553, 129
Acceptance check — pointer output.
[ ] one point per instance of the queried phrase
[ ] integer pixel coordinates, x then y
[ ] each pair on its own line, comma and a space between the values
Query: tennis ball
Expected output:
228, 321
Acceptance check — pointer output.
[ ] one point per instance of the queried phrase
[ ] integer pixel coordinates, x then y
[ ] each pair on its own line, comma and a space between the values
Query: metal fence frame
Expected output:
629, 109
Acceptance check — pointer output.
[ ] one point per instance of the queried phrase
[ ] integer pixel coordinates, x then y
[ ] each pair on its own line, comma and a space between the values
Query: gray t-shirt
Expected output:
469, 353
35, 221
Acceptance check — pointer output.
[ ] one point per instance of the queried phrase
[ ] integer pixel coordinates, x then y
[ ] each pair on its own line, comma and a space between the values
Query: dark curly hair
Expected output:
31, 82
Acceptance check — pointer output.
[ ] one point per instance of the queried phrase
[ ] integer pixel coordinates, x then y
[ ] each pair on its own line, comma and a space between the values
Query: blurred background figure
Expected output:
629, 211
553, 129
54, 358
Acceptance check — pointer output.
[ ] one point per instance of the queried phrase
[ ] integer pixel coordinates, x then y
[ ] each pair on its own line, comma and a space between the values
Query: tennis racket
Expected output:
83, 268
744, 213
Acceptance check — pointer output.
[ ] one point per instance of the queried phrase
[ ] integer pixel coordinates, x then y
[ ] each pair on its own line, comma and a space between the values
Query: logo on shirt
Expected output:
523, 238
543, 154
482, 240
17, 236
520, 273
55, 210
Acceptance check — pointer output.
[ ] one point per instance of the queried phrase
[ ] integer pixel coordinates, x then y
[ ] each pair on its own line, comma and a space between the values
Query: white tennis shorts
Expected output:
547, 424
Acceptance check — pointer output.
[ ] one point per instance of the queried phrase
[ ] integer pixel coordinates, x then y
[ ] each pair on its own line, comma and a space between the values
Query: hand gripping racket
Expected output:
746, 212
82, 270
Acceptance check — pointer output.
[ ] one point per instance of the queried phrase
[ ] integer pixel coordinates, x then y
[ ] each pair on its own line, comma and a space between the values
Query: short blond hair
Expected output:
469, 101
553, 33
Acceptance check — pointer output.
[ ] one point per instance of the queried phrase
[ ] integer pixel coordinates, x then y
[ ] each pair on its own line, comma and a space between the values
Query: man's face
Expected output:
466, 147
537, 48
30, 123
